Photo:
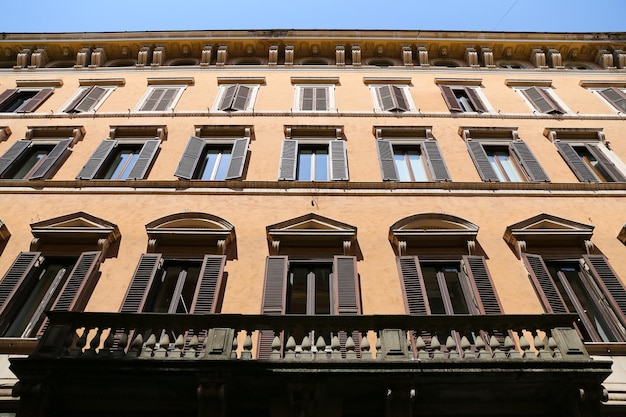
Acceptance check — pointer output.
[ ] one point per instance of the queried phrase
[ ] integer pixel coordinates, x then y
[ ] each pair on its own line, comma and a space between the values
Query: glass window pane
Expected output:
435, 299
322, 289
297, 294
509, 166
453, 281
304, 165
496, 167
222, 168
128, 166
321, 165
208, 164
417, 166
33, 159
401, 166
189, 290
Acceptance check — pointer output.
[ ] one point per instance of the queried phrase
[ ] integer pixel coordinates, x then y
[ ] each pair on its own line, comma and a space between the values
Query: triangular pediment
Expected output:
311, 230
77, 228
190, 229
432, 229
546, 229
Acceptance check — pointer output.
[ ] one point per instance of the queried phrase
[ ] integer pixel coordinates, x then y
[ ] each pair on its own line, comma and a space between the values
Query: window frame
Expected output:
330, 97
433, 162
180, 89
101, 158
337, 167
223, 89
189, 164
556, 104
377, 99
45, 167
477, 99
621, 91
612, 165
82, 94
32, 103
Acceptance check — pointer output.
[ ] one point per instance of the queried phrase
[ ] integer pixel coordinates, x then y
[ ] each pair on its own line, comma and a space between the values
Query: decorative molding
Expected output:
548, 230
604, 59
314, 80
191, 229
387, 80
340, 55
222, 55
422, 53
4, 232
143, 56
488, 133
538, 58
39, 58
205, 56
234, 131
487, 57
98, 58
158, 56
459, 81
554, 58
135, 132
407, 56
44, 133
574, 133
356, 55
23, 58
433, 230
171, 81
102, 81
240, 80
527, 83
312, 230
57, 82
273, 56
402, 132
471, 57
289, 53
82, 57
602, 83
314, 131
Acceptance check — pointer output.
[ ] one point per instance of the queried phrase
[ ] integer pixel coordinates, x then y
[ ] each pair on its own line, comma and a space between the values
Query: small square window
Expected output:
309, 159
160, 98
315, 98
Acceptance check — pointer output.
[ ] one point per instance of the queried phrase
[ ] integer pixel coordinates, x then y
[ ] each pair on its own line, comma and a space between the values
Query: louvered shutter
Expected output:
385, 97
609, 282
481, 161
152, 100
386, 160
307, 98
6, 96
91, 99
191, 157
166, 99
288, 160
12, 154
135, 298
401, 101
606, 163
321, 99
450, 98
412, 282
81, 94
581, 170
478, 104
274, 294
53, 160
435, 161
241, 99
544, 284
36, 101
209, 285
237, 159
542, 101
615, 97
486, 296
91, 168
529, 162
338, 160
146, 155
228, 97
14, 278
346, 283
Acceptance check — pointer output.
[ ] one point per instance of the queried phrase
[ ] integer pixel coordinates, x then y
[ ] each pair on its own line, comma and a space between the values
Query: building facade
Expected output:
313, 223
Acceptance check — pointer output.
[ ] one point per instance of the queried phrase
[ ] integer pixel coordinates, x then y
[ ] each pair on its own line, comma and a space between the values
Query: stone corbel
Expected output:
428, 133
407, 56
273, 56
619, 58
82, 57
605, 59
39, 58
34, 244
487, 57
555, 58
402, 247
142, 56
222, 55
538, 58
289, 55
356, 55
422, 53
5, 132
589, 247
515, 135
221, 247
471, 247
152, 245
275, 247
347, 246
158, 56
471, 57
103, 247
23, 59
521, 248
338, 133
551, 135
98, 58
340, 55
465, 134
205, 56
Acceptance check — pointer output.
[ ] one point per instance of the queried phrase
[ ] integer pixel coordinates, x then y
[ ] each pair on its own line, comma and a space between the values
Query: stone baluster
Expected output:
94, 344
136, 346
335, 346
290, 349
350, 349
482, 348
192, 347
466, 347
366, 354
247, 347
556, 352
435, 346
540, 345
119, 349
496, 352
452, 348
378, 347
275, 355
420, 347
306, 349
78, 343
179, 345
107, 345
161, 350
320, 346
525, 346
509, 347
235, 346
148, 347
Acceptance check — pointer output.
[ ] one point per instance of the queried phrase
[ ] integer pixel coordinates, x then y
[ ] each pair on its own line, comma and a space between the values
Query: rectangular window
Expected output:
616, 97
392, 98
23, 100
120, 160
160, 98
590, 162
464, 99
543, 100
28, 159
213, 159
309, 288
406, 160
88, 98
236, 97
304, 160
314, 98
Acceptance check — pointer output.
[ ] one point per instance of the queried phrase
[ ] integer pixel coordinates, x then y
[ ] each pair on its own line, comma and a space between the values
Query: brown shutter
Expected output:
450, 98
82, 94
346, 283
191, 157
12, 154
135, 298
227, 98
53, 160
274, 295
615, 97
237, 159
14, 279
529, 162
242, 97
91, 168
542, 101
386, 160
435, 161
288, 160
544, 285
412, 283
6, 96
146, 155
609, 282
91, 99
36, 101
481, 161
385, 97
338, 160
581, 170
606, 163
475, 99
206, 299
486, 296
306, 98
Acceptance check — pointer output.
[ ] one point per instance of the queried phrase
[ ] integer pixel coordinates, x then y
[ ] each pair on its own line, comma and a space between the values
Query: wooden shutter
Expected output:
146, 155
486, 296
544, 285
615, 97
609, 283
191, 157
31, 105
91, 99
15, 151
152, 100
581, 170
6, 96
385, 97
81, 94
274, 295
435, 161
53, 159
542, 101
288, 160
321, 98
338, 160
137, 293
166, 99
606, 163
208, 290
307, 98
481, 161
242, 98
412, 283
528, 161
14, 278
386, 160
346, 283
475, 99
400, 99
450, 98
91, 168
237, 159
228, 97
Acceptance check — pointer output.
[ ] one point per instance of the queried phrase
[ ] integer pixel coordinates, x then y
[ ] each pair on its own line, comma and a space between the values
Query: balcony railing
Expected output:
312, 338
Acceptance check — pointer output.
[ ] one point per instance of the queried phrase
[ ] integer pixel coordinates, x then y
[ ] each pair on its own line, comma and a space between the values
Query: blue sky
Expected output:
478, 15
